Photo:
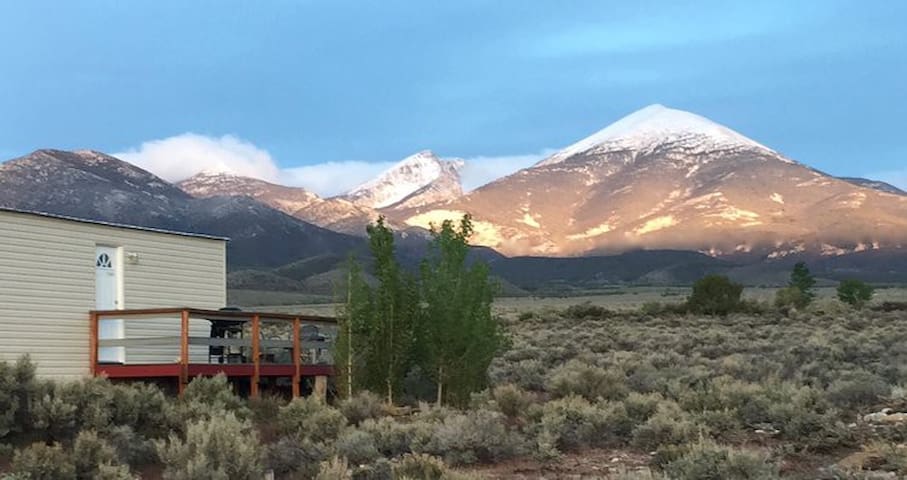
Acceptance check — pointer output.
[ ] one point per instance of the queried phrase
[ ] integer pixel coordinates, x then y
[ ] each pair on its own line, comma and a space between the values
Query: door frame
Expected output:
120, 293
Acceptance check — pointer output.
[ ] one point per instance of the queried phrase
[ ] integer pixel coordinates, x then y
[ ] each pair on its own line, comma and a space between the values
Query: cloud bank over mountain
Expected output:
181, 156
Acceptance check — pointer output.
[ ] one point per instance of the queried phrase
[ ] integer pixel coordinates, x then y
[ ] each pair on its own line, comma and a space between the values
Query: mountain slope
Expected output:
874, 184
96, 186
666, 179
335, 214
416, 180
91, 185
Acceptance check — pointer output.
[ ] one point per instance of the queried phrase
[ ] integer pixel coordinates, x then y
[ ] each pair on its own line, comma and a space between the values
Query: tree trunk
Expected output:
440, 385
349, 335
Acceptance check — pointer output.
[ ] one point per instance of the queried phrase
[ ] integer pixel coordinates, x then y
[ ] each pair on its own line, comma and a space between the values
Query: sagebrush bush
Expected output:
511, 400
707, 460
474, 436
858, 389
420, 466
334, 469
362, 406
90, 453
588, 381
394, 438
220, 447
670, 425
357, 446
573, 423
17, 388
206, 397
308, 417
292, 457
39, 461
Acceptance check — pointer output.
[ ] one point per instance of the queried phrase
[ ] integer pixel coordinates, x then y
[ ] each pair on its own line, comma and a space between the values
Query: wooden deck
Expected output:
241, 344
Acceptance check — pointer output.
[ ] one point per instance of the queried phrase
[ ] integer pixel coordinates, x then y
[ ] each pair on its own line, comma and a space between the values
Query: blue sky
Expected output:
322, 94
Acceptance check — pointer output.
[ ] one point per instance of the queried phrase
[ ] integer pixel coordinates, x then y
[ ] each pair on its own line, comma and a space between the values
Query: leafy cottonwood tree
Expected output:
458, 334
391, 317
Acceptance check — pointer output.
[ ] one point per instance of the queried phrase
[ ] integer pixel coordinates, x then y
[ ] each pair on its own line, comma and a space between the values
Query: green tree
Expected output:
391, 318
800, 277
855, 292
715, 295
458, 333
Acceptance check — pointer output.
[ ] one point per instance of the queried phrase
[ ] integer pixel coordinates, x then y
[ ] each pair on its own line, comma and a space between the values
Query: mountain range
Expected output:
662, 195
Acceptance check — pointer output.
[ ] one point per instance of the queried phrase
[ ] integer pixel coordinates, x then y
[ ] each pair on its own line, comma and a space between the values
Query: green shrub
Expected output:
715, 295
641, 406
43, 462
474, 436
18, 388
707, 460
143, 407
394, 438
362, 406
334, 469
308, 417
219, 447
573, 423
206, 397
668, 426
590, 382
858, 389
420, 466
380, 469
357, 446
90, 453
586, 310
291, 457
132, 448
791, 297
855, 293
511, 400
54, 417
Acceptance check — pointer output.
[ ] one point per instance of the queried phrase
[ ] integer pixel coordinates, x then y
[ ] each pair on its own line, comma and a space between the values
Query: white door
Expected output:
107, 297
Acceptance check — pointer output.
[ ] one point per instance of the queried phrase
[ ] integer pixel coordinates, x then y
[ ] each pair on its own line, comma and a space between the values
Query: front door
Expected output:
107, 297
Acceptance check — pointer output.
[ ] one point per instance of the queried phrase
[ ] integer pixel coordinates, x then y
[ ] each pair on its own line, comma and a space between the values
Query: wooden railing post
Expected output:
297, 357
93, 343
184, 350
256, 355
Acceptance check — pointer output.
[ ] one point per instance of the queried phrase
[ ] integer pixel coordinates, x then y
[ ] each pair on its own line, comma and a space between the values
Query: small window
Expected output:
104, 261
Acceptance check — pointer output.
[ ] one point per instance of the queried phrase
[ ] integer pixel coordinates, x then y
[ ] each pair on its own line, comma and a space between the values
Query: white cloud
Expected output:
481, 170
333, 178
181, 156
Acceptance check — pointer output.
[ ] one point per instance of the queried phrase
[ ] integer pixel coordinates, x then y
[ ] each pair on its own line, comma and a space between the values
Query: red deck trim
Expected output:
196, 369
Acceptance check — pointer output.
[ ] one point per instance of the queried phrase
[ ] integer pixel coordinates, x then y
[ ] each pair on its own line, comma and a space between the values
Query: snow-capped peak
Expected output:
402, 179
656, 124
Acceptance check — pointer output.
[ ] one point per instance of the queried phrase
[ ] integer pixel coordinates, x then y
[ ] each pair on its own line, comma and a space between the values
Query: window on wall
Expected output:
104, 261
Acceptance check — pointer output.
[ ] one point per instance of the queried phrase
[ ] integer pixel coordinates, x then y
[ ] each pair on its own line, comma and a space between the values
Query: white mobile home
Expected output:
54, 270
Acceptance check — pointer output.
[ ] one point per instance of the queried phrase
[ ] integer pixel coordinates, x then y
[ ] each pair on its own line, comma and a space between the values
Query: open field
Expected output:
580, 392
618, 298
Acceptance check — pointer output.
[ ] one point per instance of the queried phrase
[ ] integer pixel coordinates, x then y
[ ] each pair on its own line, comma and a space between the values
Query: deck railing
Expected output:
186, 342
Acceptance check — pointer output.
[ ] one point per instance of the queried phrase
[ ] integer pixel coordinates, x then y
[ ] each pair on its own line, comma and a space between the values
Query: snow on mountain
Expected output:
666, 179
421, 172
655, 125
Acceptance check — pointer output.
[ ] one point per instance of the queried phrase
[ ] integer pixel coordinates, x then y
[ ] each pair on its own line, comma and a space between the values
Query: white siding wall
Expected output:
47, 282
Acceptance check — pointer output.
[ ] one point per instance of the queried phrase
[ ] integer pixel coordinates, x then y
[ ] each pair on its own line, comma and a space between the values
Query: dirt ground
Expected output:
590, 464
